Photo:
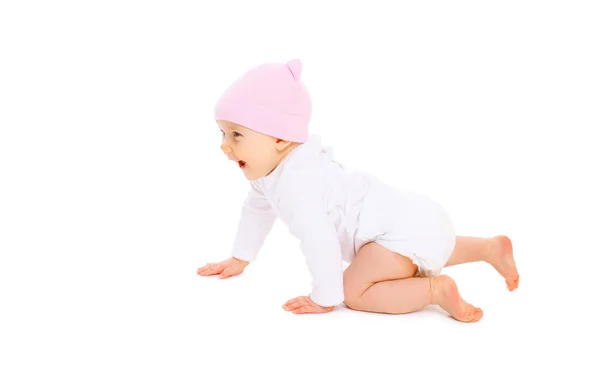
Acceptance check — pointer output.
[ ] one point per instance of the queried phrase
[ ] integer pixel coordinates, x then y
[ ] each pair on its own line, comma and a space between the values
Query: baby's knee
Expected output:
353, 303
352, 294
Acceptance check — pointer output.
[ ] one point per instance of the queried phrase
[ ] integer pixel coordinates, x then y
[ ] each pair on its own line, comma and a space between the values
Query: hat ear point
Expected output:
295, 67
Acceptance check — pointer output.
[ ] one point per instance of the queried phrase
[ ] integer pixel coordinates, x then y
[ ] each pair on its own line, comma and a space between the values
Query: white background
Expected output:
114, 190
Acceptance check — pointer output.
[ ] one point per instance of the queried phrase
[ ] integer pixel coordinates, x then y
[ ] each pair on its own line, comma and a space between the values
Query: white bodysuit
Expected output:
334, 212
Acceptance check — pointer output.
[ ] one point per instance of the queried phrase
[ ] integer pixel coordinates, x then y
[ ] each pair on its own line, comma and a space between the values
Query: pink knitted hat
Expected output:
270, 99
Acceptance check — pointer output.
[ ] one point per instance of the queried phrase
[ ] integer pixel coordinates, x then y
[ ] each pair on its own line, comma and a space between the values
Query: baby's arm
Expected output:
308, 221
255, 223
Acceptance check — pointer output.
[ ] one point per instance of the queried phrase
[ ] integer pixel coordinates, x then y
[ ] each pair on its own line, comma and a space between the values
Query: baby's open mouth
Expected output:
242, 164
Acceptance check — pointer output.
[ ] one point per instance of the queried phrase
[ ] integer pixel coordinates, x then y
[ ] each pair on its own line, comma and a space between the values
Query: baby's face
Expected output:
255, 153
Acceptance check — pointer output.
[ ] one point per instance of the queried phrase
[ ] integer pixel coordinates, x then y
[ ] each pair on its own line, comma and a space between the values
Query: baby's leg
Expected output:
496, 251
381, 281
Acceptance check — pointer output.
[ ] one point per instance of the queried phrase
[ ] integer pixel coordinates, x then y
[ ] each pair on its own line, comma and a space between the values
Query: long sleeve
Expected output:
255, 223
307, 220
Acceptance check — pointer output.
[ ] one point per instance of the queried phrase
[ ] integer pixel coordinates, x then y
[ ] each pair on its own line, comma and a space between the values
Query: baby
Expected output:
395, 241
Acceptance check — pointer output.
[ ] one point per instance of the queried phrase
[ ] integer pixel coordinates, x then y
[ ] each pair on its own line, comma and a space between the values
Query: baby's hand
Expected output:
227, 268
304, 304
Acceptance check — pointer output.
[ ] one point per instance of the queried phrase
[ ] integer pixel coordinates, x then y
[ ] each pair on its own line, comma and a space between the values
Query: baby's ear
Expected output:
281, 144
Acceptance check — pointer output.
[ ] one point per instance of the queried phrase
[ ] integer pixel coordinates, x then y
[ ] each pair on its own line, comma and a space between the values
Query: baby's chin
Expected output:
250, 175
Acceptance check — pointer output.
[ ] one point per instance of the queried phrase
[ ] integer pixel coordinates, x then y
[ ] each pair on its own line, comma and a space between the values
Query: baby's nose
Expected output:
227, 151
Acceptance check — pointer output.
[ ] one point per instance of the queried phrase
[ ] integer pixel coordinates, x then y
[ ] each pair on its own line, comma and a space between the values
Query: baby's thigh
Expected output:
374, 263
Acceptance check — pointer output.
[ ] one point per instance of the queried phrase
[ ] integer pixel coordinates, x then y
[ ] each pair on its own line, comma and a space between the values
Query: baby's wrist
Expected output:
245, 263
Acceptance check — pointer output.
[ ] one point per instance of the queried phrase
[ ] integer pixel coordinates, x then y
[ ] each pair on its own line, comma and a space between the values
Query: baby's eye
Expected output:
236, 134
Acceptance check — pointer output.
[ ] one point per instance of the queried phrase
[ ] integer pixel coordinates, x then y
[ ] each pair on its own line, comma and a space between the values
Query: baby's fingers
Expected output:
228, 272
291, 301
302, 310
292, 306
204, 268
212, 270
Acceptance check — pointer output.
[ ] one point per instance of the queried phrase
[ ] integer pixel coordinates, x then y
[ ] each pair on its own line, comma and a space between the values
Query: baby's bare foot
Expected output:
445, 294
504, 262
